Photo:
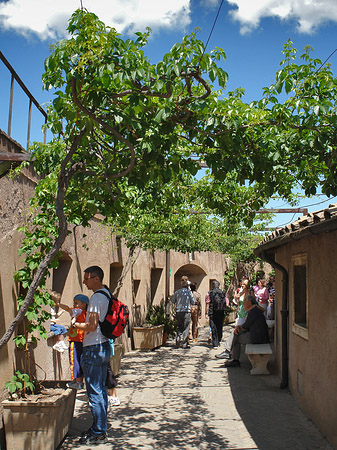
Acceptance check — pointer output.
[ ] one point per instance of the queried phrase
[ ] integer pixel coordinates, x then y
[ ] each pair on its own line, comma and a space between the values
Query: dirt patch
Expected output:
46, 395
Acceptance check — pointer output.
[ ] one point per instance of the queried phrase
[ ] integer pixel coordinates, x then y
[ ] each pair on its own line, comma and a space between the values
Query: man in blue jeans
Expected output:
95, 357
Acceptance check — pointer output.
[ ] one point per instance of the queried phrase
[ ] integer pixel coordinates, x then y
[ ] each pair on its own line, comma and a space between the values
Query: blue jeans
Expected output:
94, 362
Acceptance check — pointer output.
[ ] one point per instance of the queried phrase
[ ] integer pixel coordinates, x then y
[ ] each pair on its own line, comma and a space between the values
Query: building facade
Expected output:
304, 257
149, 277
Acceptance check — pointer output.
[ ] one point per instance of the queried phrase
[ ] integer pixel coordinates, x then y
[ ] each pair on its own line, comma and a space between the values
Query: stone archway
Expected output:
192, 271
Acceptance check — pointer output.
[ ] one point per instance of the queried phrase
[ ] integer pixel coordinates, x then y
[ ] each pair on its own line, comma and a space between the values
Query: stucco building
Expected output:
150, 276
304, 256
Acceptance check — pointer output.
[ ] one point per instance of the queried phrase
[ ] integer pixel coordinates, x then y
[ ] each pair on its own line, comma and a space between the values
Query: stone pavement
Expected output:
175, 399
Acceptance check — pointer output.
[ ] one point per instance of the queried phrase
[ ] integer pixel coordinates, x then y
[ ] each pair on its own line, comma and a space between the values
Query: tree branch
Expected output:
108, 127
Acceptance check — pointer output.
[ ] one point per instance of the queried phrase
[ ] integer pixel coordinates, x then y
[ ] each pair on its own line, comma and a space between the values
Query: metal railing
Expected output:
32, 100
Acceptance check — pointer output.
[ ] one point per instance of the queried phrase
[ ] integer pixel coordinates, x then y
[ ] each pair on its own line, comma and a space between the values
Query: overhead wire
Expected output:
212, 29
286, 223
323, 64
306, 206
318, 203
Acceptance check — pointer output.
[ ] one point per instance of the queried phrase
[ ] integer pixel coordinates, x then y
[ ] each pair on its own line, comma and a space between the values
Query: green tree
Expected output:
129, 135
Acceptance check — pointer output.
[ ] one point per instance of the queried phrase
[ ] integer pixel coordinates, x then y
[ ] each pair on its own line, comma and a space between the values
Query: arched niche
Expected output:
192, 271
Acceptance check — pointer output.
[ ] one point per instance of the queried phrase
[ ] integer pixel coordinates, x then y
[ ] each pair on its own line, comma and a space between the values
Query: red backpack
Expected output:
116, 318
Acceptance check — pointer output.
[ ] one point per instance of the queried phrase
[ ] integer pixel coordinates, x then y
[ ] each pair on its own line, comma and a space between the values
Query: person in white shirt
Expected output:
95, 357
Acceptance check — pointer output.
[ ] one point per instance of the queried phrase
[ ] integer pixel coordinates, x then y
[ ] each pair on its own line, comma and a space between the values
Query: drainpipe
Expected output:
284, 316
167, 280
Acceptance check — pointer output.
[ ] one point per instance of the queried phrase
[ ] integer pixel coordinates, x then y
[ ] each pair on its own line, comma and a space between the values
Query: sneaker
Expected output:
58, 347
64, 345
224, 355
113, 401
90, 438
75, 385
232, 363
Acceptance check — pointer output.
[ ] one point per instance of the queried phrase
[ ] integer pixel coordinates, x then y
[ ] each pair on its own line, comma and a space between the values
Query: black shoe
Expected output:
232, 363
90, 438
86, 433
186, 346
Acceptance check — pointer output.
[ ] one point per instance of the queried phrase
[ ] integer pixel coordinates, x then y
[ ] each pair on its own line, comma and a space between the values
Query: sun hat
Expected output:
82, 298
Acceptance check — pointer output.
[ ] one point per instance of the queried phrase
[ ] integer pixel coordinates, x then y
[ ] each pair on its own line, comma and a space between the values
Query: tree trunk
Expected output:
63, 181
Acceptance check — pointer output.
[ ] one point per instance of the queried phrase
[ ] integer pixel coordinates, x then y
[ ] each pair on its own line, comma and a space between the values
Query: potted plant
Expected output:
157, 315
36, 414
158, 325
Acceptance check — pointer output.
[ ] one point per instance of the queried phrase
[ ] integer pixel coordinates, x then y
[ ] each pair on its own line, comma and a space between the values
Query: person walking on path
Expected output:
183, 299
195, 312
215, 311
95, 357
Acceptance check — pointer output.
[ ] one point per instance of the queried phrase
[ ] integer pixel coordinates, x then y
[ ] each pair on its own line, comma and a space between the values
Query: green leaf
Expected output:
161, 115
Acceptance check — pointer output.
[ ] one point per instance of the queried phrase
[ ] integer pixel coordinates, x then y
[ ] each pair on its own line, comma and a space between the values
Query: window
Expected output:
155, 280
300, 296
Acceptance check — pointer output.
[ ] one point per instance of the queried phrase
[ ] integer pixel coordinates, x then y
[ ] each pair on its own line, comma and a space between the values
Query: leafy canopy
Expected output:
129, 136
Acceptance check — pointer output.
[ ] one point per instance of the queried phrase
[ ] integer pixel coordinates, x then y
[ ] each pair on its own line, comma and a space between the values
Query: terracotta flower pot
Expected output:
38, 424
148, 337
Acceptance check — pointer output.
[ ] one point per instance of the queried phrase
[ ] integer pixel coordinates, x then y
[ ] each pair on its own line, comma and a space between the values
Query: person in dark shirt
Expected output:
253, 331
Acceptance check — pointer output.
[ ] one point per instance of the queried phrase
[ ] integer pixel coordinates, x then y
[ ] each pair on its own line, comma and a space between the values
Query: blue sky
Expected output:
252, 33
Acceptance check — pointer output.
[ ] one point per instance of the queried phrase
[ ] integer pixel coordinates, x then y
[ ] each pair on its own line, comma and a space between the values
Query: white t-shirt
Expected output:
98, 303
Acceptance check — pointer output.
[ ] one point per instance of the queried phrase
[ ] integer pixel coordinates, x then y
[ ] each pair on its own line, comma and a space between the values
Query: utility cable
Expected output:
305, 206
323, 64
212, 29
286, 223
319, 203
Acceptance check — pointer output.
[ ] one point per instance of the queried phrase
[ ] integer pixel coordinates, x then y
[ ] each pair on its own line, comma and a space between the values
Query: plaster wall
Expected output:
14, 195
313, 359
150, 277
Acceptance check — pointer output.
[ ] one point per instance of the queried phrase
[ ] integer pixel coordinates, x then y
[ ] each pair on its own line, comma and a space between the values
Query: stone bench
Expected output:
258, 355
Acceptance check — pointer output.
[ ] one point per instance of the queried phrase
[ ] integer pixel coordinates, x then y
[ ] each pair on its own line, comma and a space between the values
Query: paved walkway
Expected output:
175, 399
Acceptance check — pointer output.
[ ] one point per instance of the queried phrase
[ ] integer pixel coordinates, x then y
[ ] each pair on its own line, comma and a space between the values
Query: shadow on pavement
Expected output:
175, 399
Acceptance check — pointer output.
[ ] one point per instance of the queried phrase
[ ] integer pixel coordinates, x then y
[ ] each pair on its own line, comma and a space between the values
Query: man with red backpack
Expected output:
95, 356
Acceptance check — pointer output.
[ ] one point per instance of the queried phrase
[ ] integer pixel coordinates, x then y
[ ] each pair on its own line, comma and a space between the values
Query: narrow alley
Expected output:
184, 399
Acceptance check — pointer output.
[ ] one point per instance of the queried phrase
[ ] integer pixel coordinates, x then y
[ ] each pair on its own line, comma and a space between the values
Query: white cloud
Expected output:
309, 14
49, 18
